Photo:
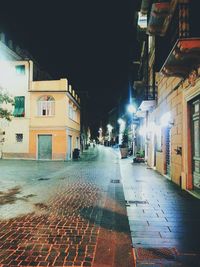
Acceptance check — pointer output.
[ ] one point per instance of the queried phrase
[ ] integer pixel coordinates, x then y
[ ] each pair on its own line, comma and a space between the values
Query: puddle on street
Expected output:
10, 196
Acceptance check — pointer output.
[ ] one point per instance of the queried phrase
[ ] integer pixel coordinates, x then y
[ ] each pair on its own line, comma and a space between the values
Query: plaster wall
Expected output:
170, 100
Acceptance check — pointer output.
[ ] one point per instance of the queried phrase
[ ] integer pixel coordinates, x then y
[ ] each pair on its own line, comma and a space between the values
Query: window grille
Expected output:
19, 137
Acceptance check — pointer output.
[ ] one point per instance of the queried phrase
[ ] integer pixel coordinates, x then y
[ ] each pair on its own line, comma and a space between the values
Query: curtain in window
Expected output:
46, 106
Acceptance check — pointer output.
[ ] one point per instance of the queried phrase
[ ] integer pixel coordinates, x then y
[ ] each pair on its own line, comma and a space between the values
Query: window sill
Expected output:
45, 116
18, 117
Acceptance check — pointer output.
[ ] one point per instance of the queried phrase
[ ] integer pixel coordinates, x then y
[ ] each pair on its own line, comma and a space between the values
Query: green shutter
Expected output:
19, 110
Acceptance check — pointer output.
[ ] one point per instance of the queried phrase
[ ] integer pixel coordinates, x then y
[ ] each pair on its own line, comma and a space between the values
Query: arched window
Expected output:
46, 106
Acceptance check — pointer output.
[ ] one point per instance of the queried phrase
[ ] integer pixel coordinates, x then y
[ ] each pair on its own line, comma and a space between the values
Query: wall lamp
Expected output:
166, 120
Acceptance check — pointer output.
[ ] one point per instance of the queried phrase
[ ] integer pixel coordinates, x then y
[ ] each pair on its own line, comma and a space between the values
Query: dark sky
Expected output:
89, 42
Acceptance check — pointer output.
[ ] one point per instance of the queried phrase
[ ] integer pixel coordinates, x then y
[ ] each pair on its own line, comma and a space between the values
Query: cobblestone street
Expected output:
98, 211
64, 213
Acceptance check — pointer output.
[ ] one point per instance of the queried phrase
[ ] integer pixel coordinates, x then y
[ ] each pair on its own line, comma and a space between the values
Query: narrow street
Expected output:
64, 213
75, 214
100, 133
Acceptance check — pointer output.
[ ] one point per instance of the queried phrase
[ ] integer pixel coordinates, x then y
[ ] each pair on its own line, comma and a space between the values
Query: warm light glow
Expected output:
143, 131
120, 121
165, 119
109, 128
142, 20
131, 108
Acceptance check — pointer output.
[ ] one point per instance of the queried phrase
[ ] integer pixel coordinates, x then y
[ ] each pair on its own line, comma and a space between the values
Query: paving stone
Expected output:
172, 216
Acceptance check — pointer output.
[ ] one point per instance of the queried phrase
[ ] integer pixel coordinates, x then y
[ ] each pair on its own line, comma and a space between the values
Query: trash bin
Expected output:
76, 153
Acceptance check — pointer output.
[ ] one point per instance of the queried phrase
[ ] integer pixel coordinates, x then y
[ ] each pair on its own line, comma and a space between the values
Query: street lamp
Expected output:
120, 121
100, 135
166, 120
132, 110
109, 127
122, 124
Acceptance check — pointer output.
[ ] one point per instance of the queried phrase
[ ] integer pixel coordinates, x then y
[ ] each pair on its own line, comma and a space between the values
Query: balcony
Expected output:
183, 58
144, 91
160, 13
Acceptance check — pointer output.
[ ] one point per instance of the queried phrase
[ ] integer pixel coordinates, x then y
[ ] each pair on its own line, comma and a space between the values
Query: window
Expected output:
46, 106
19, 110
142, 20
72, 113
19, 137
20, 69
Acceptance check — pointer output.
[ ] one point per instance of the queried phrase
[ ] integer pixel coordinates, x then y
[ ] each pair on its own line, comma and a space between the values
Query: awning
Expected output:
158, 16
19, 109
147, 105
183, 58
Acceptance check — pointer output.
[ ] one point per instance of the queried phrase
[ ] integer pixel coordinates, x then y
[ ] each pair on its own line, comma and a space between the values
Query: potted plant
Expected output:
139, 157
124, 144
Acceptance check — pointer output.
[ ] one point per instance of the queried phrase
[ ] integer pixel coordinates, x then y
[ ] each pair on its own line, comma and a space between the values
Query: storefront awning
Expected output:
158, 16
184, 56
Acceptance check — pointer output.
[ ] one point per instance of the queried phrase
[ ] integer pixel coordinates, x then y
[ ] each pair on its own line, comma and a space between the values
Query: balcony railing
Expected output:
184, 56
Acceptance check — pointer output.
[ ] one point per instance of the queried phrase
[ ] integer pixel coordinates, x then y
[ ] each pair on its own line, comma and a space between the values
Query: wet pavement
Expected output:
164, 220
64, 213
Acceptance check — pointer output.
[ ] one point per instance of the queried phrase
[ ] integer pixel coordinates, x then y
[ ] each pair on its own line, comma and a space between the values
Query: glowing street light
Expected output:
109, 127
166, 120
131, 108
120, 121
100, 135
122, 125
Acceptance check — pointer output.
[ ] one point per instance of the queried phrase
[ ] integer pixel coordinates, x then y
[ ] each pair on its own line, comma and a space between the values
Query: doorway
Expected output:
44, 147
168, 152
196, 143
69, 151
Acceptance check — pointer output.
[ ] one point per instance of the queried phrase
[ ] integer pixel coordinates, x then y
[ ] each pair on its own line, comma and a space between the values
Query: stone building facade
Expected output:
172, 134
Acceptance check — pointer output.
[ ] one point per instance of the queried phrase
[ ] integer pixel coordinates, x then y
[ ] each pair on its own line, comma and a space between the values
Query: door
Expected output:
44, 147
77, 142
168, 152
196, 143
69, 152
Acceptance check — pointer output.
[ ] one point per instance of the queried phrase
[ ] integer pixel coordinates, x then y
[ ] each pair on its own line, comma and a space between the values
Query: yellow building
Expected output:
54, 120
46, 116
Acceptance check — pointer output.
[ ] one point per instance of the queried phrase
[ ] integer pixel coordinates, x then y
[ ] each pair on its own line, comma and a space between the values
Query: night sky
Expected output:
91, 43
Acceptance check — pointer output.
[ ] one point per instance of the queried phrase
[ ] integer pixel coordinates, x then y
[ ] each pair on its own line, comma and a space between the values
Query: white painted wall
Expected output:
16, 85
17, 125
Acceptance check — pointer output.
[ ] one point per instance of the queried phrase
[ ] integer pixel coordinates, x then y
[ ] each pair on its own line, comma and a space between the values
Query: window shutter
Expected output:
19, 110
